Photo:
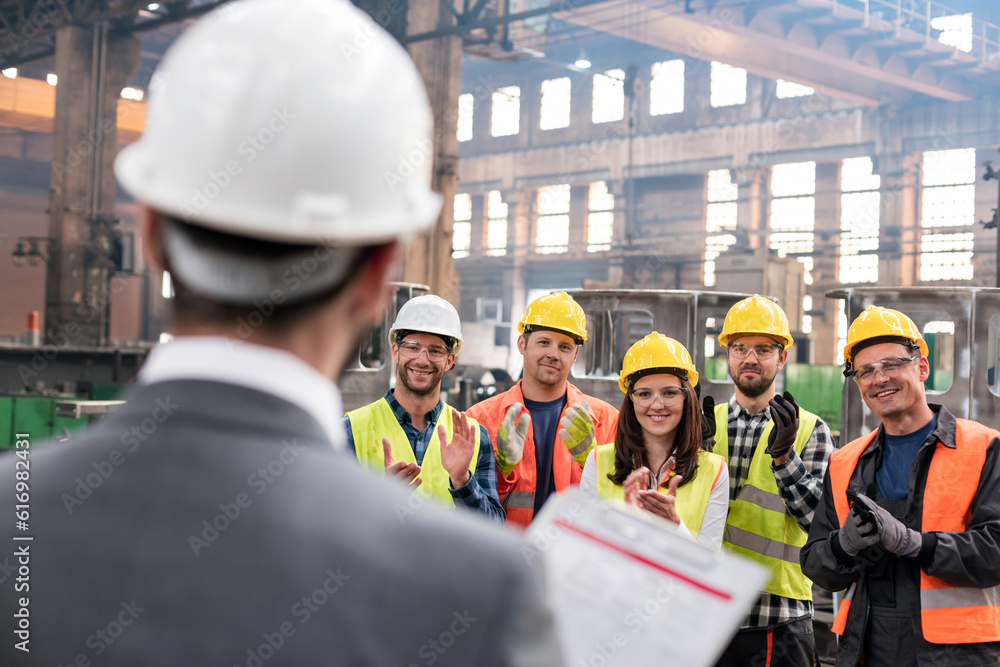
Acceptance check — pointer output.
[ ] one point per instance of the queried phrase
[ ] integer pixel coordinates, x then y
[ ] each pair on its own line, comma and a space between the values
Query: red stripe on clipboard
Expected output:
645, 561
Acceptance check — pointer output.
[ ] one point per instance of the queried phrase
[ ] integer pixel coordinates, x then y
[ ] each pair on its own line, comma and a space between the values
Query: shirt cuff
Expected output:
791, 471
928, 542
467, 491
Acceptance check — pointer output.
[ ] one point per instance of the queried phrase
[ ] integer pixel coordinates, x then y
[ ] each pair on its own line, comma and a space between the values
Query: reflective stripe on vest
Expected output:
375, 421
692, 498
948, 614
519, 500
759, 525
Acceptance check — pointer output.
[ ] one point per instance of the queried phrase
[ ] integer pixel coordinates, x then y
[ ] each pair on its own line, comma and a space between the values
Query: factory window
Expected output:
728, 85
167, 286
129, 93
793, 211
666, 88
466, 102
609, 96
552, 226
496, 224
556, 95
859, 221
956, 30
506, 117
461, 237
720, 218
600, 217
947, 200
787, 89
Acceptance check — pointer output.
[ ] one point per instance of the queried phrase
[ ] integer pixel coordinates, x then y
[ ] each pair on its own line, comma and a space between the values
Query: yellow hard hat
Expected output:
556, 311
756, 315
876, 322
657, 351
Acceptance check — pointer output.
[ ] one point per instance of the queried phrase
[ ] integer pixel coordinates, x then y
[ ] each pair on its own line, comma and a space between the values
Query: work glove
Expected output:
510, 438
785, 414
893, 534
708, 424
576, 429
858, 532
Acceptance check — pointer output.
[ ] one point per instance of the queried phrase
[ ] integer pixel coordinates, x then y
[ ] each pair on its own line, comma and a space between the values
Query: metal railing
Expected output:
936, 22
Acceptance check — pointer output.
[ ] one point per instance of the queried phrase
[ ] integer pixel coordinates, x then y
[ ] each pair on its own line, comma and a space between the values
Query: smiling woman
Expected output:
656, 462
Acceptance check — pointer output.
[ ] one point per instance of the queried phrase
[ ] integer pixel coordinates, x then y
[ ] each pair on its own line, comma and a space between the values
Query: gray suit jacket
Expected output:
205, 523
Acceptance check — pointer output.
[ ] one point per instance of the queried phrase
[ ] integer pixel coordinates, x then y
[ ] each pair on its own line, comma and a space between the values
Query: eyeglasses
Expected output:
763, 352
412, 349
887, 367
668, 397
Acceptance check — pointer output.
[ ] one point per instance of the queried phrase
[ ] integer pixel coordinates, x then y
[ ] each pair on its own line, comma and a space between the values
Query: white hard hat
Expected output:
294, 122
428, 314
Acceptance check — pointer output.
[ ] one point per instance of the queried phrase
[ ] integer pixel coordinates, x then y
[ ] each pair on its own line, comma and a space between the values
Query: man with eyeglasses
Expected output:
777, 455
411, 433
910, 517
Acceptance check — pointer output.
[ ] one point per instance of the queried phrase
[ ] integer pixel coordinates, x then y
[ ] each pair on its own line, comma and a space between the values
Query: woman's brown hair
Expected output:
630, 448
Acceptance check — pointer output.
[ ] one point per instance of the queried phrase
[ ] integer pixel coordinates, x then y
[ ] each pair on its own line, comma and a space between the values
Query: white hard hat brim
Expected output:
227, 276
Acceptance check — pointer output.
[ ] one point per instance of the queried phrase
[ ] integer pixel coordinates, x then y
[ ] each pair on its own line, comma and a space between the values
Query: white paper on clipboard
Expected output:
629, 590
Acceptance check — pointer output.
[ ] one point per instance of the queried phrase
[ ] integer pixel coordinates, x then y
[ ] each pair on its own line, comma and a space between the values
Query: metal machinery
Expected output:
367, 376
618, 318
962, 329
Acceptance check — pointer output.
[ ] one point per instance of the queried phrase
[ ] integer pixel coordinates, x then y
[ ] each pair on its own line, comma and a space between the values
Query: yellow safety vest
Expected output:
375, 421
759, 525
692, 498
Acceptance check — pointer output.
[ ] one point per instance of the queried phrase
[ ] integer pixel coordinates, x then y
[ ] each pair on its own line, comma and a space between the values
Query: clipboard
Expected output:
628, 589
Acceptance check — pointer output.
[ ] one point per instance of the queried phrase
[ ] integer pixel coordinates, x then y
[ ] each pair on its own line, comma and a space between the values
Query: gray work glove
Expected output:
857, 534
511, 435
785, 414
894, 536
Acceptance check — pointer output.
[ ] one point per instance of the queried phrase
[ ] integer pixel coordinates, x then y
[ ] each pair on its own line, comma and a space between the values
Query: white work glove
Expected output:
894, 535
577, 431
510, 438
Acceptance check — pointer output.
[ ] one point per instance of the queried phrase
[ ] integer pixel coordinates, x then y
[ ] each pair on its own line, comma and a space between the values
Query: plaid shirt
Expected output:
480, 492
800, 485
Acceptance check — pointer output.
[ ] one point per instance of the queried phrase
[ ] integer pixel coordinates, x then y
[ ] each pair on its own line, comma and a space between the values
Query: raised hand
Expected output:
456, 456
406, 472
511, 435
576, 430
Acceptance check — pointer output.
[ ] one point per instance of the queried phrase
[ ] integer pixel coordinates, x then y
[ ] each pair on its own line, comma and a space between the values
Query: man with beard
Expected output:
777, 455
411, 433
543, 426
910, 517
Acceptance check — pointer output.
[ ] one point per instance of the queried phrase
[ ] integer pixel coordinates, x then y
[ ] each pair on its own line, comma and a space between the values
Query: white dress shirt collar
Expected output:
265, 369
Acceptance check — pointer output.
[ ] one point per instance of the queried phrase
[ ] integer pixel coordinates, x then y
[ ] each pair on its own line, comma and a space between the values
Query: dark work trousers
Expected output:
789, 645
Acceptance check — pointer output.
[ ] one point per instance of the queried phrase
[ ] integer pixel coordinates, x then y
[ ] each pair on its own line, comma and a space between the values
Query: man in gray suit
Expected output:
214, 519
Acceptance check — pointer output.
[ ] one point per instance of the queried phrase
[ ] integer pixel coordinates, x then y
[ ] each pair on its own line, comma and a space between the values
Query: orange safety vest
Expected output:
948, 614
517, 490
